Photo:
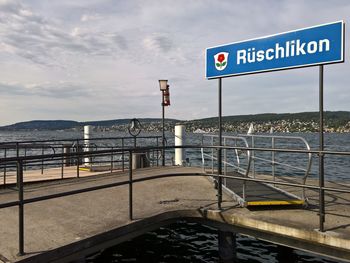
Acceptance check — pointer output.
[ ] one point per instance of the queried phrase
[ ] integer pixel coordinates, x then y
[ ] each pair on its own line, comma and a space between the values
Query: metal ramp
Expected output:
243, 163
250, 193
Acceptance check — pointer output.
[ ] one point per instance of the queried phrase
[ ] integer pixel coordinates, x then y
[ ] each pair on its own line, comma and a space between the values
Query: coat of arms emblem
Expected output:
221, 60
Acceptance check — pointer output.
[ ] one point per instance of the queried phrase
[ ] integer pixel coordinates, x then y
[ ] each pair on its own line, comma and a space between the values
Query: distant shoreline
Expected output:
335, 122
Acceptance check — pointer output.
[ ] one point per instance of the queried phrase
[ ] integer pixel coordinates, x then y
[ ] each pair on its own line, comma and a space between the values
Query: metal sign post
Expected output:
220, 144
320, 156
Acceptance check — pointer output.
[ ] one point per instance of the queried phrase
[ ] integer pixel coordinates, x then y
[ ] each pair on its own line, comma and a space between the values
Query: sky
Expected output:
101, 59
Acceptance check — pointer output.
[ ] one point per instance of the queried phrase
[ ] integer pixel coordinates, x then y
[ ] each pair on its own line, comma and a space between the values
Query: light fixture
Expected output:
163, 84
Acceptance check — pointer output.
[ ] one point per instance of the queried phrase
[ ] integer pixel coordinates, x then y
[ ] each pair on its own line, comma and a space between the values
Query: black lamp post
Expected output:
164, 88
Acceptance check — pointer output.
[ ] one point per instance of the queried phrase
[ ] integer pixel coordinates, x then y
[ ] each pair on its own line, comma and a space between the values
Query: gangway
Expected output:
242, 163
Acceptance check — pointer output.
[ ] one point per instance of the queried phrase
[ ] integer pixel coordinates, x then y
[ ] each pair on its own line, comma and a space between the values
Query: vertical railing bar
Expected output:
20, 208
5, 166
62, 162
123, 167
225, 161
273, 158
253, 156
130, 187
112, 160
157, 151
17, 155
42, 161
212, 155
25, 154
77, 152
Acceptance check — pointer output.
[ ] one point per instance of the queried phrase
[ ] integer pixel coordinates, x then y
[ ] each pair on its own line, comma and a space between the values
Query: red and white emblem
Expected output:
221, 60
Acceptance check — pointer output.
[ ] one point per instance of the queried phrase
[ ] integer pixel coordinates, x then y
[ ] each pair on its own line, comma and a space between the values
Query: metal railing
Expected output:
47, 147
20, 161
252, 158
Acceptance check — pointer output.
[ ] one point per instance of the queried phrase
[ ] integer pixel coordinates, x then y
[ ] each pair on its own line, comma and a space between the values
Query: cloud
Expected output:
158, 43
57, 91
90, 17
115, 52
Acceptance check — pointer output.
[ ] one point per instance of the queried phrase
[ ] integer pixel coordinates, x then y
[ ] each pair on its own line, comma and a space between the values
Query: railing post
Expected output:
17, 155
130, 186
62, 162
77, 152
5, 166
20, 208
112, 160
225, 161
273, 158
253, 156
157, 151
212, 155
123, 154
42, 161
25, 154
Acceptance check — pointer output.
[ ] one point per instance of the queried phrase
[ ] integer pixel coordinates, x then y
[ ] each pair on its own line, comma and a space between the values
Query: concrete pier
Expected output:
67, 228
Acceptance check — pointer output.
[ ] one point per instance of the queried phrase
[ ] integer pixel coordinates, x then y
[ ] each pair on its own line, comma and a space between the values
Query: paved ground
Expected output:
52, 174
77, 219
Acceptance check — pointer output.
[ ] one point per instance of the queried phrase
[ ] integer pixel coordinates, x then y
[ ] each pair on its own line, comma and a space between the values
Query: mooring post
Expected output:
227, 246
321, 157
180, 136
220, 144
87, 136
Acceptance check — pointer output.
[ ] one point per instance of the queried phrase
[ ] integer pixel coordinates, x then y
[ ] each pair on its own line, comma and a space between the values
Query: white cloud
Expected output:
115, 51
89, 17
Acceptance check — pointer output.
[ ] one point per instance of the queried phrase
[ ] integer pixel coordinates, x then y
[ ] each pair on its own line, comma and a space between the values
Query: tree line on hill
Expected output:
335, 121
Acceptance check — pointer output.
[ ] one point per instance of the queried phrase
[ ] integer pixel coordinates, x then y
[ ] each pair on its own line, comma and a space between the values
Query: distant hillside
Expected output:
336, 121
66, 124
333, 116
41, 125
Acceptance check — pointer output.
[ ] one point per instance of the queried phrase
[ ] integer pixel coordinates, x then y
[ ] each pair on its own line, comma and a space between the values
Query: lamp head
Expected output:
163, 84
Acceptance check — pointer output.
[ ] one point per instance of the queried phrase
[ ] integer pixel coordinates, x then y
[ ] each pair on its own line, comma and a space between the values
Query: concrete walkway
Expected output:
66, 228
53, 174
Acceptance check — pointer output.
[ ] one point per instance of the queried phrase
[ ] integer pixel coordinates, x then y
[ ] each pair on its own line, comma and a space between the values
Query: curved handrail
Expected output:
303, 140
245, 141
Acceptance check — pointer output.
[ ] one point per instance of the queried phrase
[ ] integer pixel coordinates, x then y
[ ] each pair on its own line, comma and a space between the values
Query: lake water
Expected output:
189, 242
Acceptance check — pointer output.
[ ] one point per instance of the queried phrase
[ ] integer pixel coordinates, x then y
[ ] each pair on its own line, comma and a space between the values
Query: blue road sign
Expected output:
322, 44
